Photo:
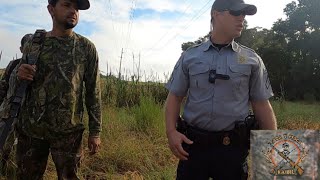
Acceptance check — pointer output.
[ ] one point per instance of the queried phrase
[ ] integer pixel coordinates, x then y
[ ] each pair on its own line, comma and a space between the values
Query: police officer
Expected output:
220, 79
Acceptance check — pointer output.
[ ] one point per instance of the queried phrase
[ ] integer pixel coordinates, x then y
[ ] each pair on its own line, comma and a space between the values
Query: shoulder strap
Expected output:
32, 57
36, 45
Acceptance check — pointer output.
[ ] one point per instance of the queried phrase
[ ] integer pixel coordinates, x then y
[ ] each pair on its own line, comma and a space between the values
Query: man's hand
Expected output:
175, 144
26, 72
94, 144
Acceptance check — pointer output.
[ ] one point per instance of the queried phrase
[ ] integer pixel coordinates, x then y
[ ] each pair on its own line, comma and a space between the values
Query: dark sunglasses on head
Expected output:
237, 13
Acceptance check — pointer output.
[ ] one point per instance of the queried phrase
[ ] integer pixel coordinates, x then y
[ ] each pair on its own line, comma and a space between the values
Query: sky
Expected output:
149, 30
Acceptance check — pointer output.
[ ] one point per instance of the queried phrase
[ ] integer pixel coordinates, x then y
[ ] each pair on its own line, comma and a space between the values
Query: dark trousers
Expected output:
32, 156
210, 158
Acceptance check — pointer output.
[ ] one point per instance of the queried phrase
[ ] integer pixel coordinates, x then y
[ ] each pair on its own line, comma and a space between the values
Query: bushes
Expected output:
309, 97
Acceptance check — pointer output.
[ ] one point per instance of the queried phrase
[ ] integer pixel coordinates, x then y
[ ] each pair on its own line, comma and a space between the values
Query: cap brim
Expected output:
83, 4
249, 9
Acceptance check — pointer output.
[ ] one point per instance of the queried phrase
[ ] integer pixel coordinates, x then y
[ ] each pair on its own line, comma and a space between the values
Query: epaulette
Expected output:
245, 47
194, 46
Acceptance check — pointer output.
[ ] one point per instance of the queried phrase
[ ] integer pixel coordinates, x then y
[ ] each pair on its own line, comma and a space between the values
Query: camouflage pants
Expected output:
7, 149
32, 156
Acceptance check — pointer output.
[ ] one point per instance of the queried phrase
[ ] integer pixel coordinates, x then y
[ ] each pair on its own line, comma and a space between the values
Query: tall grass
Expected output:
132, 150
147, 115
120, 93
297, 115
134, 144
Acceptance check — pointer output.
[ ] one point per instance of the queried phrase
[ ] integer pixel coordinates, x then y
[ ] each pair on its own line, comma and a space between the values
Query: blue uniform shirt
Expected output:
216, 106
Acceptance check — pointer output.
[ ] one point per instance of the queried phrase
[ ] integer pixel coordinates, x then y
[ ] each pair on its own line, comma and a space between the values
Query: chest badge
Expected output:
226, 141
242, 59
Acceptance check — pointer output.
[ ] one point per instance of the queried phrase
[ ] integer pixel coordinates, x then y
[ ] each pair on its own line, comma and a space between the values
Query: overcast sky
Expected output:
154, 28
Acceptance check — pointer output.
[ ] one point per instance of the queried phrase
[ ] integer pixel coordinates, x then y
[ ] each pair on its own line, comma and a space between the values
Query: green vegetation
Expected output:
120, 93
132, 150
297, 115
134, 144
134, 140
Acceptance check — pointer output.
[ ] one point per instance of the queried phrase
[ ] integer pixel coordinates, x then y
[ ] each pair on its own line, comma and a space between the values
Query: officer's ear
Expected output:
51, 10
215, 14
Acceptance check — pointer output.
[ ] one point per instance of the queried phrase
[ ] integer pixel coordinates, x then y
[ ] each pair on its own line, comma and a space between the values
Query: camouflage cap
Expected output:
82, 4
234, 5
25, 39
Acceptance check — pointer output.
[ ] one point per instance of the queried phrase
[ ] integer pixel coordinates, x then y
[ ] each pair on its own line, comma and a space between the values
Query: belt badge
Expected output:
226, 141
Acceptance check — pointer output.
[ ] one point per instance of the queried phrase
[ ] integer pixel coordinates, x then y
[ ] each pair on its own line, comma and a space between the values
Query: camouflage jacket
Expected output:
4, 82
67, 74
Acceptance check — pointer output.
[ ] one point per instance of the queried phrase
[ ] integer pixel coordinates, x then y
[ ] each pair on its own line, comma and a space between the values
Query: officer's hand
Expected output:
93, 144
176, 139
26, 72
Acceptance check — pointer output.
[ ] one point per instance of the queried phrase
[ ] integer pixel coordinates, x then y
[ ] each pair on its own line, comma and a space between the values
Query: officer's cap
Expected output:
82, 4
234, 5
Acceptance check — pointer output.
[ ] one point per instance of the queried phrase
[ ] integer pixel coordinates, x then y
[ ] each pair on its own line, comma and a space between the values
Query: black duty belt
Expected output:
208, 138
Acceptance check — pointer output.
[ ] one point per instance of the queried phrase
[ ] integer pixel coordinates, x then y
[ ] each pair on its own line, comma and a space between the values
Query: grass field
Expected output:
134, 151
134, 145
297, 115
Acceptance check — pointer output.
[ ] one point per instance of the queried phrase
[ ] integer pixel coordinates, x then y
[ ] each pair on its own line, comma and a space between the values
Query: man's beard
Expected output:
69, 25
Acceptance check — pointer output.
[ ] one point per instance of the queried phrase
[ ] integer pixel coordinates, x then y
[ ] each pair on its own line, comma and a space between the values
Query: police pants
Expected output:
215, 160
32, 156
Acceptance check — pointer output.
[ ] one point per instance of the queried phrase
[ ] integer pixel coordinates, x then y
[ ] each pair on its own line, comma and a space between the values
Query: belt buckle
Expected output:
226, 140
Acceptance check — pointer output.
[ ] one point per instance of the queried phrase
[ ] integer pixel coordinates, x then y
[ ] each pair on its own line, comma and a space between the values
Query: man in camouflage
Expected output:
4, 82
4, 85
51, 117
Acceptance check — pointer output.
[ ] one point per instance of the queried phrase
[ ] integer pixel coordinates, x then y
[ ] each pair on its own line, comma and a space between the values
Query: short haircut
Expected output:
53, 2
25, 39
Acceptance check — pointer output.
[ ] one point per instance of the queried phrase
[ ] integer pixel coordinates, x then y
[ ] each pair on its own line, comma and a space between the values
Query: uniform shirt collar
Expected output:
208, 44
235, 46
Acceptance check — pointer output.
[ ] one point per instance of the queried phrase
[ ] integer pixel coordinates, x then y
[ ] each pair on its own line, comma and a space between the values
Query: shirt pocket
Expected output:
199, 75
240, 76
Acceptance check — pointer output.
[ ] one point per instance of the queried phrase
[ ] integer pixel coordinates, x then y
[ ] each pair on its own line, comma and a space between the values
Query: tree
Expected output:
301, 30
189, 44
